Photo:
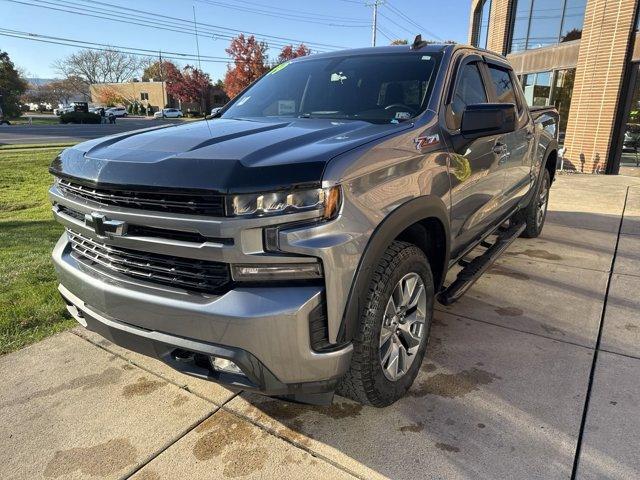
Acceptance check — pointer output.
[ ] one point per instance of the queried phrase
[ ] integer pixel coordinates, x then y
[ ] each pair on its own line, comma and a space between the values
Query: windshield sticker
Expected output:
278, 68
338, 77
403, 115
243, 100
286, 107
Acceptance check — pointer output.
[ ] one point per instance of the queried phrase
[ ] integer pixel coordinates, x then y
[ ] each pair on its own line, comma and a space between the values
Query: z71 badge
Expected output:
426, 141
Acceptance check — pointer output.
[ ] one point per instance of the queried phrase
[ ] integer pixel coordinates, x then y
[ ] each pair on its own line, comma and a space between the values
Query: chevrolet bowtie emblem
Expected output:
103, 227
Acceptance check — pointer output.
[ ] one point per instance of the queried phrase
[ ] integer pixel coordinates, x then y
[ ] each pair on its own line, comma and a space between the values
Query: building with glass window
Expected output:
583, 56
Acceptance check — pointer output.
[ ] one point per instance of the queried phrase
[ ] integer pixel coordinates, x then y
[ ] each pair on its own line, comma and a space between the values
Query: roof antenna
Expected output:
418, 43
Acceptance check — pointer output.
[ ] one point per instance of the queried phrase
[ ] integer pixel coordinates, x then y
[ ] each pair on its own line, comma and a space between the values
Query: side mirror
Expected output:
486, 119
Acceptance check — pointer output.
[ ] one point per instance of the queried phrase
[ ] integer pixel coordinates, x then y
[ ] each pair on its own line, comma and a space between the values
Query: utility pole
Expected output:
195, 26
374, 23
164, 102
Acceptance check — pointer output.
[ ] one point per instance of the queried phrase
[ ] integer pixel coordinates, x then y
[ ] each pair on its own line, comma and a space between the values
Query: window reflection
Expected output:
630, 160
537, 88
550, 88
482, 17
539, 23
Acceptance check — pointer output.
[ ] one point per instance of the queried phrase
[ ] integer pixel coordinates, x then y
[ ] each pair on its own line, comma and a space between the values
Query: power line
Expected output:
212, 26
412, 22
411, 32
385, 33
303, 12
146, 21
105, 48
280, 13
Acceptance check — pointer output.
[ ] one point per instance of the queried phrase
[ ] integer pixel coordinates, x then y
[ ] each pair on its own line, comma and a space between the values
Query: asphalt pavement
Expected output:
34, 134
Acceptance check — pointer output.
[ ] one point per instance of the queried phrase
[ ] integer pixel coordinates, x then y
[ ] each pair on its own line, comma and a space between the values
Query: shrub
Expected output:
80, 117
143, 110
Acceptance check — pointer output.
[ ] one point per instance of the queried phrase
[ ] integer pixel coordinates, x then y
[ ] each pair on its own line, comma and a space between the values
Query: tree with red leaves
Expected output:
250, 61
288, 52
192, 86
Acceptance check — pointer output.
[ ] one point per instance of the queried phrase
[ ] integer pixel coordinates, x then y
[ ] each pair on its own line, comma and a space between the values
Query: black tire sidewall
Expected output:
388, 390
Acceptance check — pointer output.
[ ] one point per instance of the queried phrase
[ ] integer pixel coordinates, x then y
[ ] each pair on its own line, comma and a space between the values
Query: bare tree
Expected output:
99, 66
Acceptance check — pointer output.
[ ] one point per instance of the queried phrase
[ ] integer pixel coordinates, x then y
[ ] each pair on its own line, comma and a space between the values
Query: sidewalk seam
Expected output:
295, 444
568, 342
170, 443
583, 422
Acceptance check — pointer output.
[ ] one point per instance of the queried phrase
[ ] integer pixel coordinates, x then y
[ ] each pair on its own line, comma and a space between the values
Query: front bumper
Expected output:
265, 331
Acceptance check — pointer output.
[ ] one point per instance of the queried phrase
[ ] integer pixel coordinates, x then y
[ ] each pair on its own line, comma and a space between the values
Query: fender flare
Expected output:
409, 213
552, 146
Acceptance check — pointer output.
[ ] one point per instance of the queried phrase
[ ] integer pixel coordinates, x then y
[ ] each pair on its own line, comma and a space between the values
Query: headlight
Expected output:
271, 272
325, 200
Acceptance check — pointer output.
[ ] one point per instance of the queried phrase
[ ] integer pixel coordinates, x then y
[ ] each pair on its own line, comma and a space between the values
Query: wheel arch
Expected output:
423, 221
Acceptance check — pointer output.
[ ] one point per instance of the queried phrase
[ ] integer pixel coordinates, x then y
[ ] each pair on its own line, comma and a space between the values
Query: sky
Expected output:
324, 24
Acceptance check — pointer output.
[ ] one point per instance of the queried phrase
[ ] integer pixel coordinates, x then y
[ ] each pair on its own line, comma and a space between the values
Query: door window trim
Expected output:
462, 61
522, 112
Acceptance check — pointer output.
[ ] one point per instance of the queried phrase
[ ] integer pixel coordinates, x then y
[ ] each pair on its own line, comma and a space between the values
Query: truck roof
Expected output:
429, 48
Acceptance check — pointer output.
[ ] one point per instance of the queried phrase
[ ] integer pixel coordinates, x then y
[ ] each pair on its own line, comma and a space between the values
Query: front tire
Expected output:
394, 328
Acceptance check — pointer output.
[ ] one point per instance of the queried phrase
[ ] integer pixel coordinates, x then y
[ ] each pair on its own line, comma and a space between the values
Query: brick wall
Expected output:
601, 62
498, 24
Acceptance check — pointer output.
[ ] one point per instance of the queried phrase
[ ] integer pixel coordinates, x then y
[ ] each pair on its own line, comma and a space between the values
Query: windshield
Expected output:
385, 88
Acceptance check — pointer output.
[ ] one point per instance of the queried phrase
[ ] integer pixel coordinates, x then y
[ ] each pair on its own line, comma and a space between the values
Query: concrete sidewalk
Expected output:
535, 373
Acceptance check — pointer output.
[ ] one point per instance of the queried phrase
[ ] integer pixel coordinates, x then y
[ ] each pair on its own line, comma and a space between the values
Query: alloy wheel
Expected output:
403, 326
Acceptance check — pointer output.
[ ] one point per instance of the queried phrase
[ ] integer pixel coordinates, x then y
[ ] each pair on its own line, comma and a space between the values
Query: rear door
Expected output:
514, 149
477, 179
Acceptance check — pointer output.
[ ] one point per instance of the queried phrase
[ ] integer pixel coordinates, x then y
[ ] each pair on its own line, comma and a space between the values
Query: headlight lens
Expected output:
325, 200
270, 272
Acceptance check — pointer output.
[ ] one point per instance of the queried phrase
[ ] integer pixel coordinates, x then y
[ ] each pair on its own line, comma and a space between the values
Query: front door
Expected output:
477, 179
516, 147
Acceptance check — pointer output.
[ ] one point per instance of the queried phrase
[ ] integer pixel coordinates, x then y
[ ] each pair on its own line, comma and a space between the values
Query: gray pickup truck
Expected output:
295, 244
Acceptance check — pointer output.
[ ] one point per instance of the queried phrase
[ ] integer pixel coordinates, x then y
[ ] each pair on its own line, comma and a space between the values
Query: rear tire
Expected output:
535, 213
394, 324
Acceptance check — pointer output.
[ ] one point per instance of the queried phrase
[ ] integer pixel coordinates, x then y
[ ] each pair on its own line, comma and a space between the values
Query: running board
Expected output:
472, 270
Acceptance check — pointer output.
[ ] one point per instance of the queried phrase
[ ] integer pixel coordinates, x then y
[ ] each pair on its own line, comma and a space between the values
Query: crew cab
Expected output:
295, 243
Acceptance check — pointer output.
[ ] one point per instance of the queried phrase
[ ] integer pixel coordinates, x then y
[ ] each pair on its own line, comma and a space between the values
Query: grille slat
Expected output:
174, 202
198, 275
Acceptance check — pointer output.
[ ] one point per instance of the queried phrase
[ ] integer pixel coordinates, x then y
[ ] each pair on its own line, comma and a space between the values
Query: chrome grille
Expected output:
162, 201
190, 274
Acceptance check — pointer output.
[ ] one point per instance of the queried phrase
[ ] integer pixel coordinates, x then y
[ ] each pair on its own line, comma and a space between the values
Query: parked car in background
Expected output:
297, 243
2, 120
66, 109
168, 113
116, 112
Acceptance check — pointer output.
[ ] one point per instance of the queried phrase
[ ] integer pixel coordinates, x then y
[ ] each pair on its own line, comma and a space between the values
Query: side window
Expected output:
469, 91
503, 85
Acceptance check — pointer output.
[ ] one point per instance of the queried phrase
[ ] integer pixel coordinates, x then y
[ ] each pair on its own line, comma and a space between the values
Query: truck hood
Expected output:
222, 155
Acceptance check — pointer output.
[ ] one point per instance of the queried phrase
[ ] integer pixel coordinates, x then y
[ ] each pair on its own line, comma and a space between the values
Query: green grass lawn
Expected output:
30, 307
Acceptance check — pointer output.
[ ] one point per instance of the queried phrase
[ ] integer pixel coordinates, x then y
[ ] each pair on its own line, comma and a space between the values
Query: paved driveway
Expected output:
534, 374
25, 134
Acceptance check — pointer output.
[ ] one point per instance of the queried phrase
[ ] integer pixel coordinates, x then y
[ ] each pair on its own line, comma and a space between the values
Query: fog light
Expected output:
224, 365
